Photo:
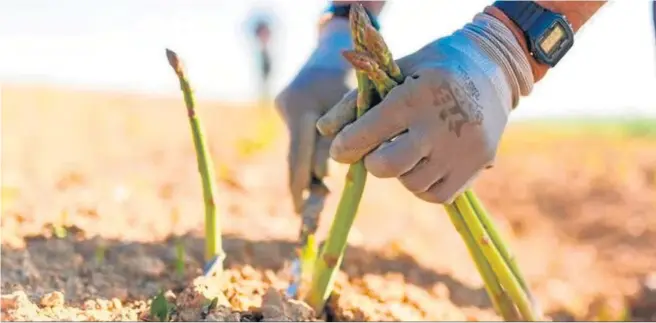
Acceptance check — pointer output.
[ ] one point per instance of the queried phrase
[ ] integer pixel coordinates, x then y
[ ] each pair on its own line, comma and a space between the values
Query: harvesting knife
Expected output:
310, 220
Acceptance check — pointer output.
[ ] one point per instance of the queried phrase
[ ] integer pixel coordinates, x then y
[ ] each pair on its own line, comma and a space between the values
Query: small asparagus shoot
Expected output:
214, 253
179, 256
100, 253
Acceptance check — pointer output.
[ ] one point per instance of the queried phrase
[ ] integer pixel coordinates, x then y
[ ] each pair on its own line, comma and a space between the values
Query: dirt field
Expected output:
119, 171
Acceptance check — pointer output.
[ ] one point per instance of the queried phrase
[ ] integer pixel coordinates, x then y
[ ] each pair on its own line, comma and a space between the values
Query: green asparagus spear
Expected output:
330, 256
213, 245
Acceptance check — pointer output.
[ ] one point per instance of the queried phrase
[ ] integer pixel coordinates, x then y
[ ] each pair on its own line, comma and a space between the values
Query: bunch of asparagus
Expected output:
377, 73
214, 254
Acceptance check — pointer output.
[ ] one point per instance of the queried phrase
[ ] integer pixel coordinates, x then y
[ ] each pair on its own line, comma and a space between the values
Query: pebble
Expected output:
52, 299
278, 308
15, 300
116, 304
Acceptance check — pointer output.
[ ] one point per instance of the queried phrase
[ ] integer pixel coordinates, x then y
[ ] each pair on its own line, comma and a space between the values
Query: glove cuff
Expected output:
498, 41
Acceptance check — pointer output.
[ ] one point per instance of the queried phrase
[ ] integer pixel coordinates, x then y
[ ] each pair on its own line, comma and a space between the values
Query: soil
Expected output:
118, 172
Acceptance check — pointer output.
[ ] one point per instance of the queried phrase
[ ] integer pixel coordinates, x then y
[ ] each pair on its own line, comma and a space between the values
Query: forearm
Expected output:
576, 12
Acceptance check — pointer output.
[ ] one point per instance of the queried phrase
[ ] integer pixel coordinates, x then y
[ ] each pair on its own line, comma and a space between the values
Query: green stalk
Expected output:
213, 244
332, 253
100, 253
497, 262
495, 236
179, 256
500, 299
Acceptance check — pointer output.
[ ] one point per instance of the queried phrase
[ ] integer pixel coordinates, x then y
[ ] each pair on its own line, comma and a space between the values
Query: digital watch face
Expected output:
553, 39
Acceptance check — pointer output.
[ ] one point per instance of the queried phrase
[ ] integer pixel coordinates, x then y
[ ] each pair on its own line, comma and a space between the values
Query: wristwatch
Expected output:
548, 34
342, 11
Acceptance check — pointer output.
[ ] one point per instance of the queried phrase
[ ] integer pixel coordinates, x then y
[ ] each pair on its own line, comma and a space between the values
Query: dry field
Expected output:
576, 202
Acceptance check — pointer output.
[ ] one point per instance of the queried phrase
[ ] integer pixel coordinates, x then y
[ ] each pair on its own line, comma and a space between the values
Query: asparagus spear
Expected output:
498, 242
499, 298
330, 256
214, 253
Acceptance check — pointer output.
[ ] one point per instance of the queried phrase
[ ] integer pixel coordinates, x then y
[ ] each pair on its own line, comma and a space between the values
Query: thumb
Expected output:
339, 115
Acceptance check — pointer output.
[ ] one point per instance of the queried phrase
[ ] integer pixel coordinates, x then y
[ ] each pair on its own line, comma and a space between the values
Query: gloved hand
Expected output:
318, 86
449, 114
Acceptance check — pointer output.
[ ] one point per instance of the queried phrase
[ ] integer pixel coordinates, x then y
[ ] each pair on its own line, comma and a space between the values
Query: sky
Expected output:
119, 45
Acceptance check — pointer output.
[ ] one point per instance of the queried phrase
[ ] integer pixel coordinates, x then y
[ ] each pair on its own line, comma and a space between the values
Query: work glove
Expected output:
445, 120
320, 84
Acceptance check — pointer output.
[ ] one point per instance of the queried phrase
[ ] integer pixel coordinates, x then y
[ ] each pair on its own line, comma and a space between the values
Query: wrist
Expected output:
538, 69
546, 35
497, 45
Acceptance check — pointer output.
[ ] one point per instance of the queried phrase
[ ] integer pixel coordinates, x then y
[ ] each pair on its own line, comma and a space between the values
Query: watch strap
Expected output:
522, 13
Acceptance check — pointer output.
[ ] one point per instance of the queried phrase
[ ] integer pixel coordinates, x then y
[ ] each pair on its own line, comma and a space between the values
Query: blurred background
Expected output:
118, 46
99, 178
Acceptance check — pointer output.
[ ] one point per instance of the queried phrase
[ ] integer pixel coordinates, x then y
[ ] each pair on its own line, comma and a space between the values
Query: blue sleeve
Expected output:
653, 15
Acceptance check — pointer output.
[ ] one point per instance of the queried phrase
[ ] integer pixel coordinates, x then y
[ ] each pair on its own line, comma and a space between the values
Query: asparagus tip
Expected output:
373, 40
174, 61
362, 61
358, 20
358, 14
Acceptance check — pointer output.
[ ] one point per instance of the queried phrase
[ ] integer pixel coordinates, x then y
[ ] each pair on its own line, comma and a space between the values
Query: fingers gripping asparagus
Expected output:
377, 69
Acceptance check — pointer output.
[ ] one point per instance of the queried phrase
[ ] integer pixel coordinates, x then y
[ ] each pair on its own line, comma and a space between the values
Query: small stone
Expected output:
248, 272
189, 315
242, 303
53, 299
192, 301
116, 304
15, 300
199, 292
300, 311
103, 304
278, 308
440, 290
222, 314
151, 266
89, 304
18, 307
273, 307
383, 288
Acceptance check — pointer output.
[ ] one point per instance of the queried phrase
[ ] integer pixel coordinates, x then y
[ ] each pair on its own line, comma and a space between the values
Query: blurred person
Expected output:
449, 114
262, 34
653, 14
